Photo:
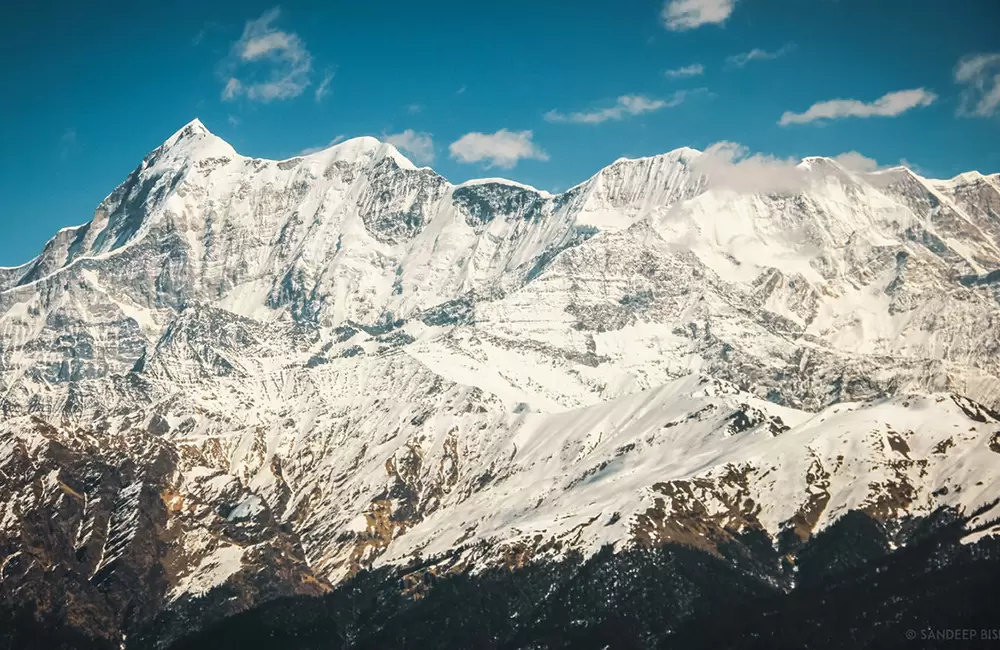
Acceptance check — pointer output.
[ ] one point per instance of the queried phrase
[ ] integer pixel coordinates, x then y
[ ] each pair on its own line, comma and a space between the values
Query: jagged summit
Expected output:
191, 142
195, 126
971, 178
195, 138
193, 166
193, 130
369, 149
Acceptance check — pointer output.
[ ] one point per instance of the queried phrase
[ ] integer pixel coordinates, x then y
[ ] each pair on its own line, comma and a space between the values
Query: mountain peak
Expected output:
195, 140
354, 149
681, 154
965, 178
193, 129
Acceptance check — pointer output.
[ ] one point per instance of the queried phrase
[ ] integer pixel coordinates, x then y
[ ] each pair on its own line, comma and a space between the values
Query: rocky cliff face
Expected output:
248, 378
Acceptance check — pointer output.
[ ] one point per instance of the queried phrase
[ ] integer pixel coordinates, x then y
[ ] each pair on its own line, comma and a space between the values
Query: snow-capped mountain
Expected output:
254, 378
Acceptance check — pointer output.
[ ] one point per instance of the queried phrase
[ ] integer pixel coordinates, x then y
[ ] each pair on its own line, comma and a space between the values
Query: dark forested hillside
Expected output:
843, 588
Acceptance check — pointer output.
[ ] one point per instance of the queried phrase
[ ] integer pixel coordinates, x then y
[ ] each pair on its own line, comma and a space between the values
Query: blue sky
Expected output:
543, 91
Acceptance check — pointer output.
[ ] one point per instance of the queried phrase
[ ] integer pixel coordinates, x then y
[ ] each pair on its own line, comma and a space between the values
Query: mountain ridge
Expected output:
351, 146
371, 144
305, 369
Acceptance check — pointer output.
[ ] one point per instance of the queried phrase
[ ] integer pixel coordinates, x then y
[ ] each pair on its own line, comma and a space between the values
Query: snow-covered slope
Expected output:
304, 367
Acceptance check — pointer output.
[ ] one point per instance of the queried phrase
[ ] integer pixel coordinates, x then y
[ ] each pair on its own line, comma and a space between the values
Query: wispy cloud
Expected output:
233, 121
731, 166
912, 166
693, 70
310, 150
980, 76
501, 149
207, 29
889, 105
323, 89
856, 162
461, 91
67, 144
420, 146
625, 106
679, 15
414, 108
757, 54
232, 89
266, 63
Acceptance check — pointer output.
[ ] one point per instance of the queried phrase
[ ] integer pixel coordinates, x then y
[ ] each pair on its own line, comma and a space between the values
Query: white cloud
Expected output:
323, 89
232, 89
414, 108
627, 105
980, 74
730, 166
266, 43
420, 146
309, 150
679, 15
273, 64
856, 162
233, 121
888, 105
692, 70
501, 149
757, 54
